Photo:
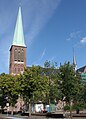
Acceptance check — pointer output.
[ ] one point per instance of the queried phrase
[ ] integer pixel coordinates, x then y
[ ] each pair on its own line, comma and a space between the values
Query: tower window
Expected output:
15, 54
19, 55
22, 55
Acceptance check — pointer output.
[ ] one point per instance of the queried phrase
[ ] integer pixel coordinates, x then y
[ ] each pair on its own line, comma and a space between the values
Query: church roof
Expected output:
18, 38
82, 69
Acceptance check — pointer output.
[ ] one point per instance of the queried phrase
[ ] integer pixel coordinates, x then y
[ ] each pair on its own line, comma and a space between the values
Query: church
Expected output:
18, 51
18, 48
18, 54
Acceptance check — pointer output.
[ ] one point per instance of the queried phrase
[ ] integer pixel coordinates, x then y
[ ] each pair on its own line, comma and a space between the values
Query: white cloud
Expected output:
80, 43
68, 39
73, 35
83, 40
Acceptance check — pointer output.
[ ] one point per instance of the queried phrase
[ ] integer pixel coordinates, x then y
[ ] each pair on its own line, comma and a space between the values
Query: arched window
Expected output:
22, 55
15, 55
19, 55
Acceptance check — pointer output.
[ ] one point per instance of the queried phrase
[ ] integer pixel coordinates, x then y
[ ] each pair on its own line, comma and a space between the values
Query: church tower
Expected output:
18, 48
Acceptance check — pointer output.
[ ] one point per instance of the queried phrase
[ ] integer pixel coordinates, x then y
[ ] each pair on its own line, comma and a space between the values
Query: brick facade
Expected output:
17, 59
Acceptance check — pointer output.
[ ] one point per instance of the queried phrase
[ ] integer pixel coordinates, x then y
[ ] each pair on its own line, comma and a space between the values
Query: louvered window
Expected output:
15, 55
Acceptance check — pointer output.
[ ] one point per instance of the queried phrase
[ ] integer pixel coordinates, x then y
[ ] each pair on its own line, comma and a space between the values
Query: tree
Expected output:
3, 93
13, 89
68, 83
51, 71
9, 90
80, 100
31, 83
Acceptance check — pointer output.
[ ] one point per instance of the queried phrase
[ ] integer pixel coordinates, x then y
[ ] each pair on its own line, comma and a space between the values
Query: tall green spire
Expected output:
18, 38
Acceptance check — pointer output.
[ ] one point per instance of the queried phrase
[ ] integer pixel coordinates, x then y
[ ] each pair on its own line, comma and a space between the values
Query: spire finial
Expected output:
74, 60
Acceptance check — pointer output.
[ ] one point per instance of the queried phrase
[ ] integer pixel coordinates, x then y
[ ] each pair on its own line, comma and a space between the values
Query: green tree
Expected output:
3, 93
9, 90
80, 100
51, 71
13, 90
31, 82
68, 83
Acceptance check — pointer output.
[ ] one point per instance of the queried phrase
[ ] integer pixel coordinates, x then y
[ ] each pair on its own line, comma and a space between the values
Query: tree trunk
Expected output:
2, 110
12, 108
29, 109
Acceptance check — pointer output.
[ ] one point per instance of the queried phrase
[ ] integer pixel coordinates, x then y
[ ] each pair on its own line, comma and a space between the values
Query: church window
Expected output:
19, 55
22, 55
15, 55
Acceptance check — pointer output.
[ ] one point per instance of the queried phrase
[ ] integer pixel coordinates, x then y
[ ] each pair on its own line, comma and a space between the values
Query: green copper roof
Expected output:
18, 34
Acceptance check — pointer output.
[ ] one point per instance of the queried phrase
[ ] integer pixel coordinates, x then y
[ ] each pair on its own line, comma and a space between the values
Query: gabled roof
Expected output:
82, 69
18, 38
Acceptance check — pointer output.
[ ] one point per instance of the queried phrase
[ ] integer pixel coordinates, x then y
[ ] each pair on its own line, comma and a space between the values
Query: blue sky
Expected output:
52, 28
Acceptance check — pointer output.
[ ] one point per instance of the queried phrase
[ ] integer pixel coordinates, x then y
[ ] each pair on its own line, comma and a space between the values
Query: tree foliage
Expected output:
8, 90
51, 71
68, 81
68, 84
45, 84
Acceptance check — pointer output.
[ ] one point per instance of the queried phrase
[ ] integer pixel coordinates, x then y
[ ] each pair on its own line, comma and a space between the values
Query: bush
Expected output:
79, 106
67, 107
